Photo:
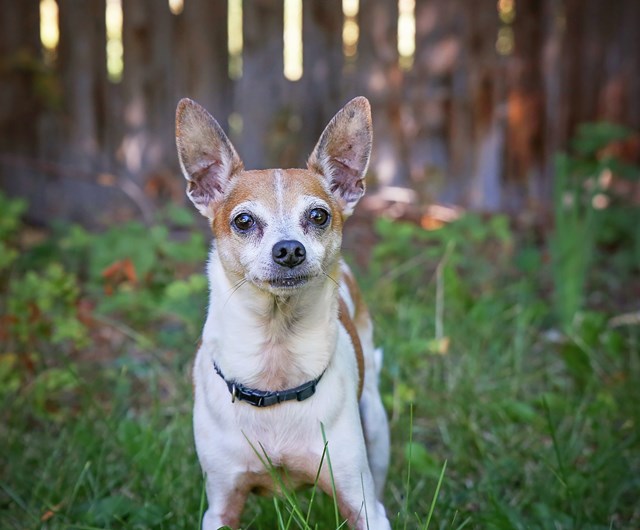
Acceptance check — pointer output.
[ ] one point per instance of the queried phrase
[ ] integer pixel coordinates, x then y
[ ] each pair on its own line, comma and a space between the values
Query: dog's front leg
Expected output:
226, 496
357, 499
354, 486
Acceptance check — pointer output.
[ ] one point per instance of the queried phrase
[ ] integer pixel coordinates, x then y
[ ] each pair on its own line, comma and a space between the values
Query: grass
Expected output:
538, 431
97, 468
500, 418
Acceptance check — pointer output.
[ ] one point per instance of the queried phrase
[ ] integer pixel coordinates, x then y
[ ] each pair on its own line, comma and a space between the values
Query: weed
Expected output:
585, 217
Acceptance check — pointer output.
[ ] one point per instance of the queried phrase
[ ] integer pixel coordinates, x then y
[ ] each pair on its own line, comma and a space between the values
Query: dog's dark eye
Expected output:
243, 222
319, 216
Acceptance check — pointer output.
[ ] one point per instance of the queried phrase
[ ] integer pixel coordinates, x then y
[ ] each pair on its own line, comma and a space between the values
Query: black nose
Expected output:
289, 253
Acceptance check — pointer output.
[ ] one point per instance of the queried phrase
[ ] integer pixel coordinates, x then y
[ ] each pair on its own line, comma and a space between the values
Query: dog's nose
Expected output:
289, 253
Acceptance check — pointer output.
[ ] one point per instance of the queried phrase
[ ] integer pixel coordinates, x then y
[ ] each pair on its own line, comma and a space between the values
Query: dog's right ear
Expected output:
207, 158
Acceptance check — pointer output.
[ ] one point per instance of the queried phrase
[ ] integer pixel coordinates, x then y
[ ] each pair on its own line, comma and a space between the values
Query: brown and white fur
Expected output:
273, 324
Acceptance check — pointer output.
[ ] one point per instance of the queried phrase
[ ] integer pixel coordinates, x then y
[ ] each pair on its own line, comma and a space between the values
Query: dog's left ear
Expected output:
342, 153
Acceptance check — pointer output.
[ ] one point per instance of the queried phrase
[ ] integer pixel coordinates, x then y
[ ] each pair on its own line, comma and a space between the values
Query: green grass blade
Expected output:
333, 484
18, 500
203, 498
315, 483
408, 483
435, 495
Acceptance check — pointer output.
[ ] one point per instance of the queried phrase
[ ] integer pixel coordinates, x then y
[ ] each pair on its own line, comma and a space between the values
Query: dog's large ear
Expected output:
342, 153
207, 158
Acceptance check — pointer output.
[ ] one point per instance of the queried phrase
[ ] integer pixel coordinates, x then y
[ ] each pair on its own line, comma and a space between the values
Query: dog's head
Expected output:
280, 229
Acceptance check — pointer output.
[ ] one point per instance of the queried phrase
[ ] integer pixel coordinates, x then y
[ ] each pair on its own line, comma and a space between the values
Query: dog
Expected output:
286, 375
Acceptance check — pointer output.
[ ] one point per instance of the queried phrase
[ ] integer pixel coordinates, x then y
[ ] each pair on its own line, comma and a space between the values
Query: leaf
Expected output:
111, 508
591, 137
577, 362
421, 459
7, 255
50, 391
518, 411
121, 270
9, 375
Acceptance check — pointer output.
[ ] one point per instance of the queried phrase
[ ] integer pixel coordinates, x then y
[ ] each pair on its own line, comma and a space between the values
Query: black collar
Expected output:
266, 398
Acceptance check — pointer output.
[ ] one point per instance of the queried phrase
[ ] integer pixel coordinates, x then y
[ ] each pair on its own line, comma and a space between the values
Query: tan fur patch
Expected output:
347, 323
360, 315
260, 185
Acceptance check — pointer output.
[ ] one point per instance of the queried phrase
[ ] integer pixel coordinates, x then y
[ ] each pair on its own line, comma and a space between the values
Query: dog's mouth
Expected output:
287, 282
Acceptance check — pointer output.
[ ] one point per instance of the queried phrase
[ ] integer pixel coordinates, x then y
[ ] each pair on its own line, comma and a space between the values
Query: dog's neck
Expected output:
268, 342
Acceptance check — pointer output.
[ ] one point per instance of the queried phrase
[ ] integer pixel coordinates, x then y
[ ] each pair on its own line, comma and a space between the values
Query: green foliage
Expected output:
572, 243
10, 212
580, 224
527, 418
73, 440
60, 289
38, 312
108, 467
455, 266
498, 419
592, 137
149, 289
57, 291
43, 306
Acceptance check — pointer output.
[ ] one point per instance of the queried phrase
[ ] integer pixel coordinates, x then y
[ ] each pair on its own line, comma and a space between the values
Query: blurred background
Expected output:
471, 99
498, 247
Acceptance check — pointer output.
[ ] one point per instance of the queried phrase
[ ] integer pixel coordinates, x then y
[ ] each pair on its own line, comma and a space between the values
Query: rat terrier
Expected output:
286, 370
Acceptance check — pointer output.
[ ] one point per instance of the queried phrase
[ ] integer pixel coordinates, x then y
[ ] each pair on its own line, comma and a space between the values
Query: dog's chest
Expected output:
284, 442
281, 359
273, 355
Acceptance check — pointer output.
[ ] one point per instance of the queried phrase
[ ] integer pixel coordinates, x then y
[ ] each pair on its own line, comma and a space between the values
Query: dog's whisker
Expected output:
235, 288
237, 285
331, 278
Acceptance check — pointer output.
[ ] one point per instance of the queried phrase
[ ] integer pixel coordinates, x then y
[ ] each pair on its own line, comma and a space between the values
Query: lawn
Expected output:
511, 373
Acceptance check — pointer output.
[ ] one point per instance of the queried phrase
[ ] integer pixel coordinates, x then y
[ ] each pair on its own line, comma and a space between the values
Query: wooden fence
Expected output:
475, 120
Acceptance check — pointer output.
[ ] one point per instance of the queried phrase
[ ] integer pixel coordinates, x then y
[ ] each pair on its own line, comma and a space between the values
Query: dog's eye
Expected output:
319, 216
243, 222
